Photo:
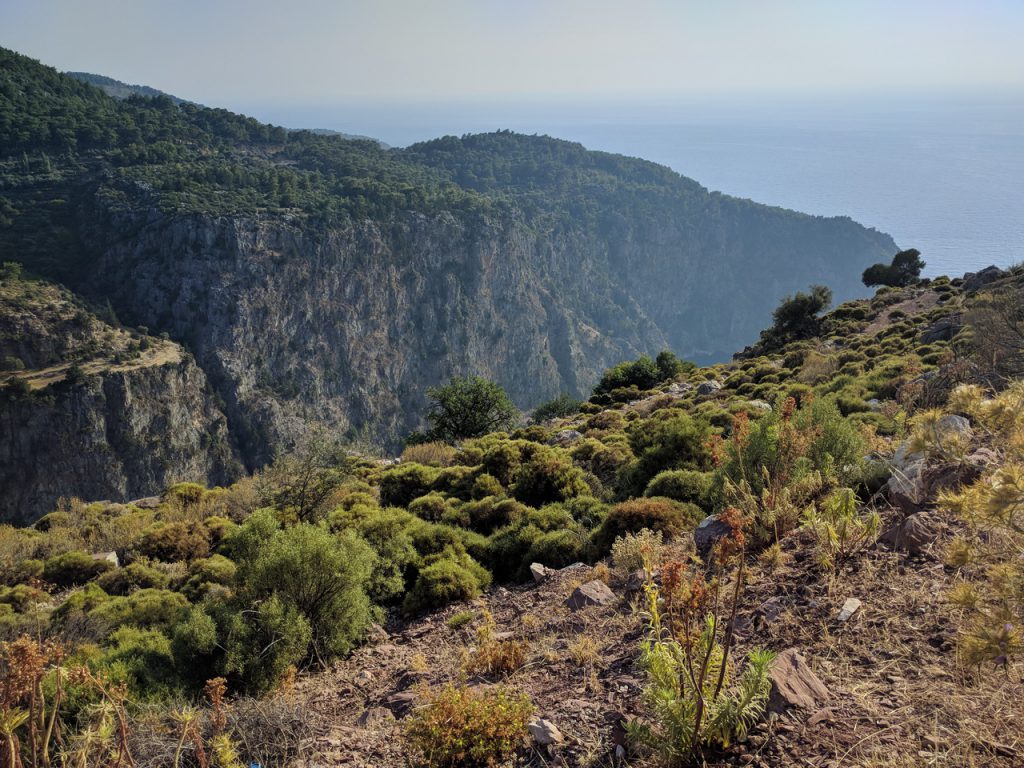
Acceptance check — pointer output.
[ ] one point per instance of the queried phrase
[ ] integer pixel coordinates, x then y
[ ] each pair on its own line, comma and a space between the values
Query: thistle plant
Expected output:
695, 696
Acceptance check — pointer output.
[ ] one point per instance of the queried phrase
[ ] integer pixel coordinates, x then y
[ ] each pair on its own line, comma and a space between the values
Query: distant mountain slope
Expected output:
317, 278
120, 90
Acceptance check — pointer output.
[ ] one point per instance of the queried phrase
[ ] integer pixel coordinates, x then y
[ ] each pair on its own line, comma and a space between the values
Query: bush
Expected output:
433, 454
121, 581
400, 485
672, 441
468, 728
548, 476
904, 269
73, 568
557, 408
146, 608
557, 549
663, 515
493, 656
642, 374
634, 551
433, 507
797, 317
448, 577
683, 485
173, 542
322, 576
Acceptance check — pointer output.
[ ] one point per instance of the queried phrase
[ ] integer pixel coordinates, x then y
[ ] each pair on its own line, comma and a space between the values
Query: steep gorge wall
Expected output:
119, 435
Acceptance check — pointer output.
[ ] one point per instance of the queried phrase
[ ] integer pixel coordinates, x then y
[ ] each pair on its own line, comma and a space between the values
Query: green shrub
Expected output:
557, 549
686, 485
557, 408
146, 608
322, 576
469, 407
674, 440
73, 568
446, 578
486, 485
143, 660
433, 507
121, 581
549, 475
213, 570
586, 510
400, 485
173, 542
663, 515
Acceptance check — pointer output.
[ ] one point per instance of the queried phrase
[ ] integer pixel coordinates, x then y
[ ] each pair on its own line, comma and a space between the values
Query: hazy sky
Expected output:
234, 52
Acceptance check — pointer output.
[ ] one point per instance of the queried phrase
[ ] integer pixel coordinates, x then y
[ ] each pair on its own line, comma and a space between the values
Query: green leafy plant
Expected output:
840, 529
695, 698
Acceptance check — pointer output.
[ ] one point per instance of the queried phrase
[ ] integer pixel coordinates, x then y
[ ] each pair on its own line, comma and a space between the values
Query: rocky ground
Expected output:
878, 686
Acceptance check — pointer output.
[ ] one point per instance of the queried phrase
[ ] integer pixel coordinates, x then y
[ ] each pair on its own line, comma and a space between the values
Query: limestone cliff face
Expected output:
350, 326
118, 435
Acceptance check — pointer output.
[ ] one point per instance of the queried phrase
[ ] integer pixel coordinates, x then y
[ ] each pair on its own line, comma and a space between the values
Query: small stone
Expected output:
849, 608
913, 534
365, 677
592, 593
545, 732
377, 634
375, 716
539, 572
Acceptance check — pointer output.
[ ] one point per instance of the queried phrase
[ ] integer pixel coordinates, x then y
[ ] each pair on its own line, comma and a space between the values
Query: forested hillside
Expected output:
317, 279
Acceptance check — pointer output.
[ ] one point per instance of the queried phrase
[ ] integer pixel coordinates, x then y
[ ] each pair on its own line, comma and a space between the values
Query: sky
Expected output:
236, 53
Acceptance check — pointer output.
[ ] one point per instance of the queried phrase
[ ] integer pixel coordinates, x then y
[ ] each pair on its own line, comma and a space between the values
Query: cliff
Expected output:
91, 410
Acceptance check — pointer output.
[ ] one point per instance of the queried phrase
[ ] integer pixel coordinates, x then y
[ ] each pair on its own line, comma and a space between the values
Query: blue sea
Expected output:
940, 173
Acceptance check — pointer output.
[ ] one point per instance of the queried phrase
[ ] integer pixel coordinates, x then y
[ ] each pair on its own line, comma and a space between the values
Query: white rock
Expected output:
538, 571
849, 608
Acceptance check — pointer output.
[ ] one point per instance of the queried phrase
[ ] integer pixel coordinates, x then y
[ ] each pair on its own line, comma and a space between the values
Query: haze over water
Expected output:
943, 175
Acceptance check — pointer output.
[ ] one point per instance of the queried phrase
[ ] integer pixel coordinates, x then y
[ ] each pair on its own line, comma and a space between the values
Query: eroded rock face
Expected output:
119, 435
794, 684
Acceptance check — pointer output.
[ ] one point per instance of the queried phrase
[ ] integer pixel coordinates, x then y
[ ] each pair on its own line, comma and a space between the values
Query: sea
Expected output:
943, 173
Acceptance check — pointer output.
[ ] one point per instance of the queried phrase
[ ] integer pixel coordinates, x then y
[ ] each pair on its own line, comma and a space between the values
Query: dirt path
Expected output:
159, 354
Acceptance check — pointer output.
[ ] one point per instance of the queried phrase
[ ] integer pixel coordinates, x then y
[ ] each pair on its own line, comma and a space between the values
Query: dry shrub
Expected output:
817, 368
467, 728
633, 551
431, 454
584, 651
494, 655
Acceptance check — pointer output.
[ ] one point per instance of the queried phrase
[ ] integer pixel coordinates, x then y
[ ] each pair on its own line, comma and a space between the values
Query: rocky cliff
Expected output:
91, 410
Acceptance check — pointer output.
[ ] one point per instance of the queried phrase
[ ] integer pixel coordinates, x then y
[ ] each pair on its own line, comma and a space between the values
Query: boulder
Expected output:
565, 437
707, 534
914, 533
594, 592
545, 732
539, 572
150, 502
759, 405
942, 330
976, 280
906, 488
679, 388
793, 684
709, 387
